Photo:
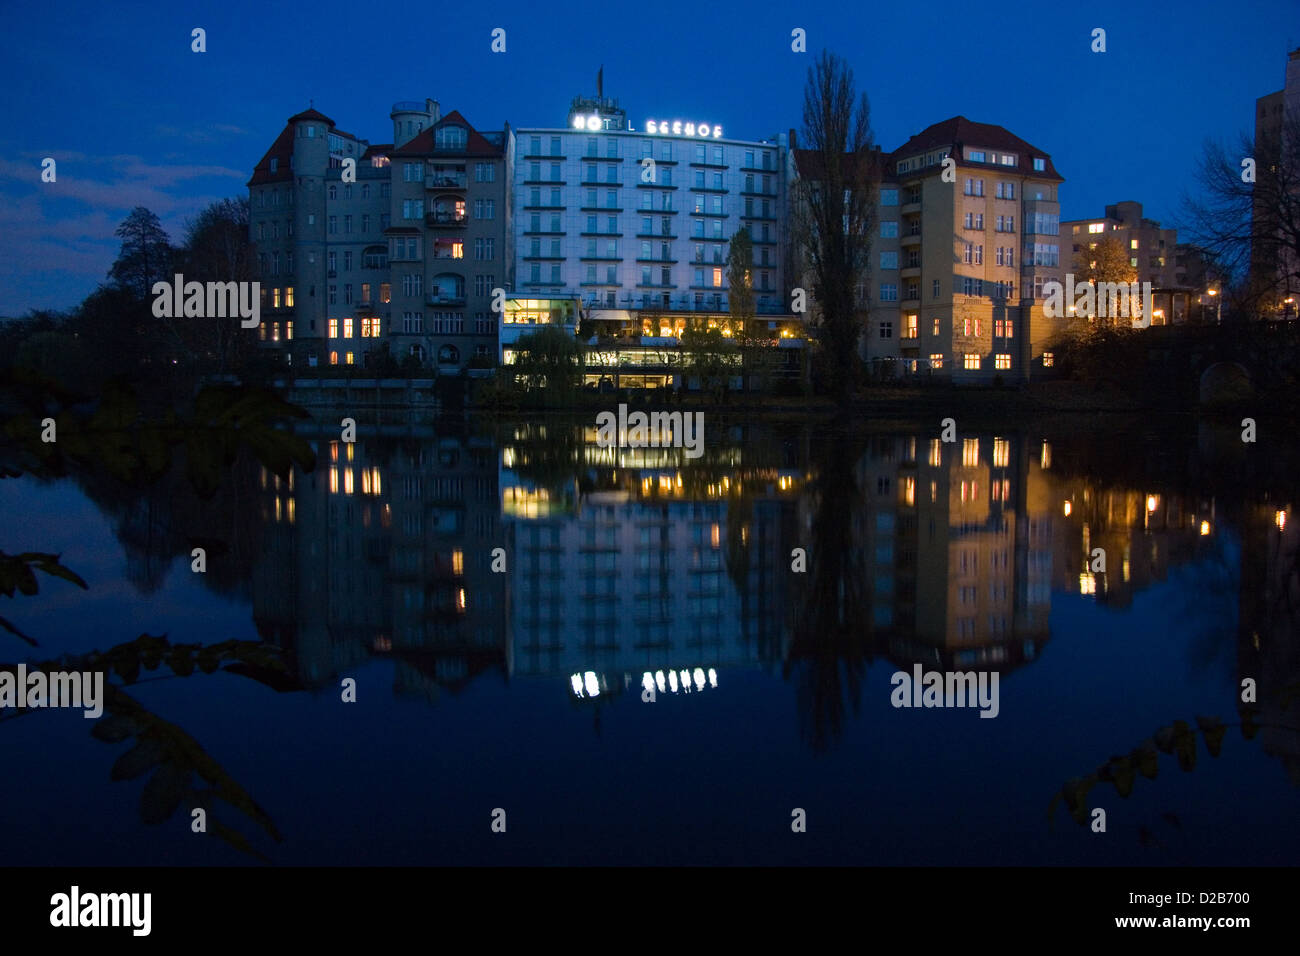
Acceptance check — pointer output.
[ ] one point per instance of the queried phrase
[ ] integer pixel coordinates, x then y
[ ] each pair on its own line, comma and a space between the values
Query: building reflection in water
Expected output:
627, 569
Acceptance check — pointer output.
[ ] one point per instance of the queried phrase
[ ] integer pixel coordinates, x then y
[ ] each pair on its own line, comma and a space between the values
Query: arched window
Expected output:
448, 355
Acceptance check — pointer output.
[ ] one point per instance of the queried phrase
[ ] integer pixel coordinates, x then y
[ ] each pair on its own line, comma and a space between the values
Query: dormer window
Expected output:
275, 163
452, 137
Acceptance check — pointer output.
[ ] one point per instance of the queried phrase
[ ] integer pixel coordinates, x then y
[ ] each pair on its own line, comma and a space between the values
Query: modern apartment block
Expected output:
1277, 117
1152, 254
957, 270
1150, 247
351, 267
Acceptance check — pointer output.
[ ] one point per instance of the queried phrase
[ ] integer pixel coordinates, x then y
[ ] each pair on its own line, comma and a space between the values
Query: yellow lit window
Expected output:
288, 329
458, 247
350, 358
275, 331
1048, 359
347, 330
385, 292
374, 327
717, 278
275, 298
334, 481
714, 535
458, 562
288, 297
261, 331
334, 358
334, 328
349, 484
971, 362
1002, 361
970, 452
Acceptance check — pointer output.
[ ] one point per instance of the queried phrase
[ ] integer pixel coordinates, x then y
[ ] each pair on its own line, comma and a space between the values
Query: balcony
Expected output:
909, 208
445, 181
445, 219
910, 240
447, 297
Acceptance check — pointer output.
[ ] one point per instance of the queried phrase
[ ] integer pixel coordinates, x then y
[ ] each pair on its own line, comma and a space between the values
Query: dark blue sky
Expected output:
114, 94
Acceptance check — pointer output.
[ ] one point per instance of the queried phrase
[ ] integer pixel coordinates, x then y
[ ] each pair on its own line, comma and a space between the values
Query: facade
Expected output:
449, 244
636, 224
958, 268
310, 232
1154, 254
1277, 116
349, 268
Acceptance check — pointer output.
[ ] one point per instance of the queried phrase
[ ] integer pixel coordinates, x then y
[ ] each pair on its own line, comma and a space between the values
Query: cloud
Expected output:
56, 239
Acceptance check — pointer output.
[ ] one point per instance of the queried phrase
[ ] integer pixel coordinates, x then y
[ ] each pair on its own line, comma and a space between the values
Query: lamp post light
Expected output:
1218, 318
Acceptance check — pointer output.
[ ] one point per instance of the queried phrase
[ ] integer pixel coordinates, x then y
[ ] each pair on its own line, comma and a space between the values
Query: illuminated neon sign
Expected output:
678, 128
591, 123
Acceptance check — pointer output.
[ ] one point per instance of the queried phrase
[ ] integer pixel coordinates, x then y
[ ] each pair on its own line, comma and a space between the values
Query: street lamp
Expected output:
1219, 307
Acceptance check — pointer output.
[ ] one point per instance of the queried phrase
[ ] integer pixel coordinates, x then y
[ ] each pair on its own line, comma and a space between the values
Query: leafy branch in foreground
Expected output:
175, 757
1177, 738
16, 575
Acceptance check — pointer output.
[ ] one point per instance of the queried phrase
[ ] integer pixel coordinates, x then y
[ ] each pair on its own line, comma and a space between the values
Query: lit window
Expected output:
1048, 359
1002, 361
971, 362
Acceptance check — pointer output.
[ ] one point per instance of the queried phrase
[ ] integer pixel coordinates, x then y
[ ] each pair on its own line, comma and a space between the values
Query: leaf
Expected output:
1147, 759
145, 754
1214, 730
164, 791
12, 629
114, 728
1184, 745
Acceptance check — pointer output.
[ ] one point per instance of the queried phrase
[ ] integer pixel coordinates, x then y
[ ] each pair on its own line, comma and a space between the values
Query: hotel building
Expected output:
636, 224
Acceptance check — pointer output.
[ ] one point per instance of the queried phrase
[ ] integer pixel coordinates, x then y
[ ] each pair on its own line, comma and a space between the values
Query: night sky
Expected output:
133, 117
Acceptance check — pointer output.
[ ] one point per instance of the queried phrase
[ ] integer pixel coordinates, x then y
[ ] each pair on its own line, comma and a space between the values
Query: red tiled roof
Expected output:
310, 115
475, 143
959, 131
281, 151
952, 133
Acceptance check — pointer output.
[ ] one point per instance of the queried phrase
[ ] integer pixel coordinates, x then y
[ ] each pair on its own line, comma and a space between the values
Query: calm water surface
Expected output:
522, 689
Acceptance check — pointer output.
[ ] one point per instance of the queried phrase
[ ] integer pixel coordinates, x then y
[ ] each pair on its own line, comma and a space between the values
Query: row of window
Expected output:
1002, 328
646, 147
414, 172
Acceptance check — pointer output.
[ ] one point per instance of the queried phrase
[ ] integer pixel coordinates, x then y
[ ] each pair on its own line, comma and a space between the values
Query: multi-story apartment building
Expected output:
1277, 117
404, 257
311, 233
955, 284
1152, 254
1150, 247
637, 223
449, 243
